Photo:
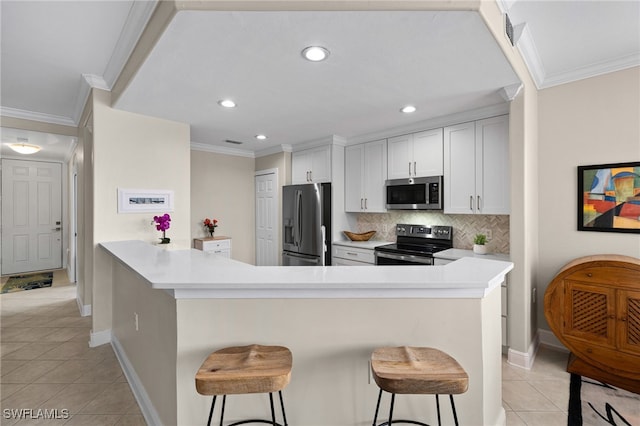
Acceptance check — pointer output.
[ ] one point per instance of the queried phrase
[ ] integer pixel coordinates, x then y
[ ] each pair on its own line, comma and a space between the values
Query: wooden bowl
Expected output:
364, 236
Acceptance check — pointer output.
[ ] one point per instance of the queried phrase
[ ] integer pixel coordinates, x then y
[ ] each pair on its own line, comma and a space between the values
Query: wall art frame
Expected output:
609, 197
145, 200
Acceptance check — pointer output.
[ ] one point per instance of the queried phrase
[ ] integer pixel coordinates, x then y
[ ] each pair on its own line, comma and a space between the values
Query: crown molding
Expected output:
592, 70
277, 149
328, 140
197, 146
132, 29
433, 123
37, 116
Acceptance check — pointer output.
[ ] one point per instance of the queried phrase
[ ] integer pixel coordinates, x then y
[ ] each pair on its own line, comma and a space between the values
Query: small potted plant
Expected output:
479, 242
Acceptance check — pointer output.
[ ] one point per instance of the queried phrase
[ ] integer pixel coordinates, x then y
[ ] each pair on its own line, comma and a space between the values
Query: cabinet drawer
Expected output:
351, 253
213, 245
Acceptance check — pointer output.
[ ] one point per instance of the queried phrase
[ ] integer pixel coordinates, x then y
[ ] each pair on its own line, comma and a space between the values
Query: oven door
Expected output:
385, 258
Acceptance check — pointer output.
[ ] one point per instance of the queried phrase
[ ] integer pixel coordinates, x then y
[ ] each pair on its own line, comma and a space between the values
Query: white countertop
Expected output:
196, 274
455, 254
371, 244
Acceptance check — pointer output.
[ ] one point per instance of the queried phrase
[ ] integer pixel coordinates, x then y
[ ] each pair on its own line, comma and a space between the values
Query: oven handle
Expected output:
404, 257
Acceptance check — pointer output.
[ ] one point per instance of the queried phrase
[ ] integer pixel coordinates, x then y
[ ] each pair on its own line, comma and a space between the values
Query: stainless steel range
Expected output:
415, 245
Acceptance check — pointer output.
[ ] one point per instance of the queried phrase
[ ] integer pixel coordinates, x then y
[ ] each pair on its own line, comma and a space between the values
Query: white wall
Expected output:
592, 121
134, 152
222, 187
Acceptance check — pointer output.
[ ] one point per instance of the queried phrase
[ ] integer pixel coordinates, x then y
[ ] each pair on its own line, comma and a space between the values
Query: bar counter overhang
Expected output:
171, 308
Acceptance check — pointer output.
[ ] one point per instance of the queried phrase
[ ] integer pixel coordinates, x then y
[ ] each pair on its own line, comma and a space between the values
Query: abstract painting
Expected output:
609, 197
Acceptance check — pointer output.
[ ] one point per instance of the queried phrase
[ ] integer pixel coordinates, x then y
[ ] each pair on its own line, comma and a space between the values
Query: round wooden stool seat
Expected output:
413, 370
245, 369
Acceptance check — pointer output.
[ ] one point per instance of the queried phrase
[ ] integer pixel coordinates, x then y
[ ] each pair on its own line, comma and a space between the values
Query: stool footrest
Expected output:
411, 422
244, 422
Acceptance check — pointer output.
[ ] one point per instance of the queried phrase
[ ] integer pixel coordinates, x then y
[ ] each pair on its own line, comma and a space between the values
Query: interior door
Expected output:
31, 216
267, 247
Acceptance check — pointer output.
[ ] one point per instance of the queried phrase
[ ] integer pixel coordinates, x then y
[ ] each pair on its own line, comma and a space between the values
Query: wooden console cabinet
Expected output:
593, 308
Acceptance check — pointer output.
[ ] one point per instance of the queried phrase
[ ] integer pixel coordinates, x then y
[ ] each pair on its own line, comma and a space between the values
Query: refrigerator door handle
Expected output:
323, 232
296, 218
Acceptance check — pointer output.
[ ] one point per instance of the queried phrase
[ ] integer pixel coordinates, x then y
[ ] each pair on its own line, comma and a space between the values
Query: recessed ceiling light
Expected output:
24, 148
408, 109
315, 53
227, 103
261, 137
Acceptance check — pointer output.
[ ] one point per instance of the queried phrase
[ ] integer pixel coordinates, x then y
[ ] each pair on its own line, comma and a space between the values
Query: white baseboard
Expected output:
524, 359
99, 338
146, 407
85, 310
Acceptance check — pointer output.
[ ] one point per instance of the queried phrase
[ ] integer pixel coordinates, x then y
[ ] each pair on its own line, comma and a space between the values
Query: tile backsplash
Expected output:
465, 227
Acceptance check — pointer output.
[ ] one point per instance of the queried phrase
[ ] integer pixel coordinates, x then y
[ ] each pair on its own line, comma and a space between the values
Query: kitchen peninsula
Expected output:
171, 308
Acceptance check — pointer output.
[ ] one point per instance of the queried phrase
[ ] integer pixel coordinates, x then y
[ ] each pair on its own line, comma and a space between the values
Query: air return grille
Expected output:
508, 29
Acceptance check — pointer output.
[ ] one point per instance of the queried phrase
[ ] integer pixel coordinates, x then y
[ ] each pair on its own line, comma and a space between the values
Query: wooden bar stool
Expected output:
243, 370
412, 370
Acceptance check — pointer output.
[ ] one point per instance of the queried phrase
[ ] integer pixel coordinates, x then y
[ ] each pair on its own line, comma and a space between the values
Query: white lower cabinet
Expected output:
217, 245
353, 256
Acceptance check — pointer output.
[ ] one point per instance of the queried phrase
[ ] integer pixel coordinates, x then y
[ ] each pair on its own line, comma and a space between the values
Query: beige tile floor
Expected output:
46, 363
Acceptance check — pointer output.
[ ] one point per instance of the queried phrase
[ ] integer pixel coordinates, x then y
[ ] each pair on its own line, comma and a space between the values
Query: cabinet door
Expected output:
629, 321
428, 153
321, 164
300, 167
400, 155
353, 192
374, 176
459, 169
589, 315
492, 166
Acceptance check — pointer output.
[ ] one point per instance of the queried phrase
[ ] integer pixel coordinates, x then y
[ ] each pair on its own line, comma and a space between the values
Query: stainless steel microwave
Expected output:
423, 193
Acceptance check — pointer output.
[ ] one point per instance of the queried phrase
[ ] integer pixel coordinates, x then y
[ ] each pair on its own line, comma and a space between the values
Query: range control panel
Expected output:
440, 232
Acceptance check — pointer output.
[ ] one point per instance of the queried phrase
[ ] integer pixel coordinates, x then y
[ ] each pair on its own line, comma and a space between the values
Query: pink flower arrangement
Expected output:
162, 224
211, 225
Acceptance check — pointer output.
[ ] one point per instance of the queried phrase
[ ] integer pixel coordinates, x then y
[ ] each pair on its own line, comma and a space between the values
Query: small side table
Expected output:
218, 245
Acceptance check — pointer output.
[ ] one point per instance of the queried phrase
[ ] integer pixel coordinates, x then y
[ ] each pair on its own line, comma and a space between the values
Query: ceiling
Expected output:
441, 62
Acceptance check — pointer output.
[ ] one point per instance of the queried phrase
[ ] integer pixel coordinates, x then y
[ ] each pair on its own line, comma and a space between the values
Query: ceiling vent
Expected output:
508, 29
233, 142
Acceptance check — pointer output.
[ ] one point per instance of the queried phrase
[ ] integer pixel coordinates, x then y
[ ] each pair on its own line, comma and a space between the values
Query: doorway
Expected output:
31, 216
267, 219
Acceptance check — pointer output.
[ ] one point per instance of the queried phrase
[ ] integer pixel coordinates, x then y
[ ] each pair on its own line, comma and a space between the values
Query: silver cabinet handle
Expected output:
414, 169
361, 208
352, 254
56, 229
311, 176
478, 203
365, 204
471, 202
409, 168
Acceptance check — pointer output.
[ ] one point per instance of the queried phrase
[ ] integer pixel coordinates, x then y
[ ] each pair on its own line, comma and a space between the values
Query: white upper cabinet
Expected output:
365, 175
311, 165
416, 155
476, 167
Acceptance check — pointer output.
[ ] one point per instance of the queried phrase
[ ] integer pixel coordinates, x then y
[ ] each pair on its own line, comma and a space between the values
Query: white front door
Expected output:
267, 229
31, 216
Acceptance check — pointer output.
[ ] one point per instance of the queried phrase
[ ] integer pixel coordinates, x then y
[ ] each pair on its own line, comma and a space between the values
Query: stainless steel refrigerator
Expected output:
306, 214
